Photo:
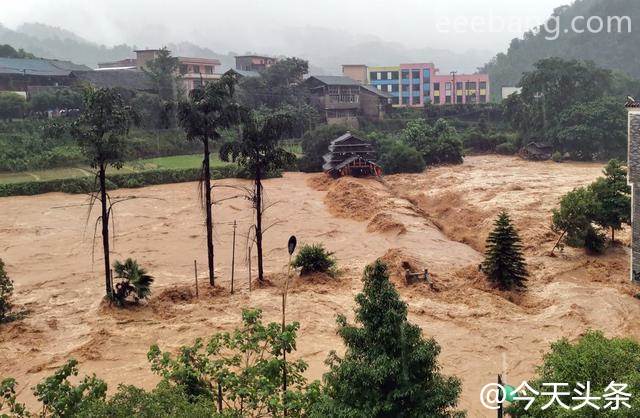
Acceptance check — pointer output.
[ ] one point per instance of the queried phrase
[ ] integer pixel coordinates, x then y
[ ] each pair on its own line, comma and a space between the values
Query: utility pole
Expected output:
233, 255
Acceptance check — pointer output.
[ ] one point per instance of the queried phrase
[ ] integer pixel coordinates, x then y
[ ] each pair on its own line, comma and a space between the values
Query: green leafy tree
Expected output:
314, 258
61, 398
101, 130
388, 369
242, 370
573, 218
208, 111
395, 156
503, 262
6, 291
7, 51
277, 85
163, 72
315, 143
12, 106
259, 152
438, 144
594, 359
592, 130
613, 194
134, 280
9, 406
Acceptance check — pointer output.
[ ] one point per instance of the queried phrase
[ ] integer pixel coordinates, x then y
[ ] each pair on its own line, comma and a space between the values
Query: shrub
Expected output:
314, 259
12, 105
6, 291
594, 359
134, 280
557, 157
122, 180
398, 157
506, 148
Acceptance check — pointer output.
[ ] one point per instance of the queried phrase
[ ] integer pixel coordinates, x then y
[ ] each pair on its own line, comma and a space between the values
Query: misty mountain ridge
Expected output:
326, 54
616, 51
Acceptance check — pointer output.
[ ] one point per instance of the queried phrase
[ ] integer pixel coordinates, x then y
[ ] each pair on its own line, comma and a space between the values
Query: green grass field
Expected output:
166, 163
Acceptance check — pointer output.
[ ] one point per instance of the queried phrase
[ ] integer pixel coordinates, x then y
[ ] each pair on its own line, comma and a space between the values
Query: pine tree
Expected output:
504, 264
389, 369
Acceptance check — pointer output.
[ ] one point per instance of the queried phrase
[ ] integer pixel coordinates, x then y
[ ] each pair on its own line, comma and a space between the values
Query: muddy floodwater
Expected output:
436, 220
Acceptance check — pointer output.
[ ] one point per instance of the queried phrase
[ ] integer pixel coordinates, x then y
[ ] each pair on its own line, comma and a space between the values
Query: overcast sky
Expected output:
269, 25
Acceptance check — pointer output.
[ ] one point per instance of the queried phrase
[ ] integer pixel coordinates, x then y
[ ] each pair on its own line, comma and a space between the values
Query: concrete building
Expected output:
254, 62
357, 72
633, 178
417, 84
193, 71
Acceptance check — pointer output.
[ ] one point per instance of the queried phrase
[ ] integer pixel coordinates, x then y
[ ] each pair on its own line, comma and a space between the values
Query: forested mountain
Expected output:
617, 50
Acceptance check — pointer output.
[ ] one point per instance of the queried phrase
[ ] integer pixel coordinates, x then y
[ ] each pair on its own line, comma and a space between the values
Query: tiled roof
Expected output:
128, 79
39, 66
335, 80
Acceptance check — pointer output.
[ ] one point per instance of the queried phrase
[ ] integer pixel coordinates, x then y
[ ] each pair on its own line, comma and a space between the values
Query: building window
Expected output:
447, 100
458, 85
405, 74
208, 69
426, 73
389, 75
405, 100
196, 69
394, 75
395, 100
389, 87
426, 99
483, 99
447, 86
415, 74
395, 87
373, 75
183, 69
471, 85
483, 84
436, 86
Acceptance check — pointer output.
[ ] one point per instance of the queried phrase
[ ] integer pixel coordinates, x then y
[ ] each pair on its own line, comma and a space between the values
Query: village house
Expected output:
23, 75
254, 62
340, 100
194, 72
351, 156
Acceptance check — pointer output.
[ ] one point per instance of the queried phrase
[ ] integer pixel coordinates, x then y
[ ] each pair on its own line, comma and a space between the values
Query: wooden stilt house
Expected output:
351, 156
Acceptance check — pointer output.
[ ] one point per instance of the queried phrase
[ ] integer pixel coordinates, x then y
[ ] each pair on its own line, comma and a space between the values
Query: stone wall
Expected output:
634, 181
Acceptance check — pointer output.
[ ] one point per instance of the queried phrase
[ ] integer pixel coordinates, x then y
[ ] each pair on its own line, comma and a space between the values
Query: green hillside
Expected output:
617, 50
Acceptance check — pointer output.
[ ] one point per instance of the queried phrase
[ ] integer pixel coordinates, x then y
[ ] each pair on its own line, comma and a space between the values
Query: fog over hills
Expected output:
326, 49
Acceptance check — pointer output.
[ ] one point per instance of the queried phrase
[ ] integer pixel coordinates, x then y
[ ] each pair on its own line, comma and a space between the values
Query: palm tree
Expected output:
259, 152
208, 111
134, 278
101, 130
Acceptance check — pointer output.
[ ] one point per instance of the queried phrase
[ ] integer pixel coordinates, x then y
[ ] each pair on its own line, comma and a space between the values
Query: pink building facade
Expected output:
418, 84
460, 89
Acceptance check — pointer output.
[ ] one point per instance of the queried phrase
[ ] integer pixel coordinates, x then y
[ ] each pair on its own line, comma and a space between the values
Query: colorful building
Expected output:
417, 84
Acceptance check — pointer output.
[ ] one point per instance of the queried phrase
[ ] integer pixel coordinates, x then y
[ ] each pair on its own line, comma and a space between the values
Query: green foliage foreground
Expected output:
389, 370
594, 359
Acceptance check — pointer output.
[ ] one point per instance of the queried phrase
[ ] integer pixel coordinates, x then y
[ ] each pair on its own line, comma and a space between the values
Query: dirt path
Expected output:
436, 220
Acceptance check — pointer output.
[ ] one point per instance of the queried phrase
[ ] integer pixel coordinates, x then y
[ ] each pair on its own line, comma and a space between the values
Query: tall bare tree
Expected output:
208, 111
101, 130
258, 151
